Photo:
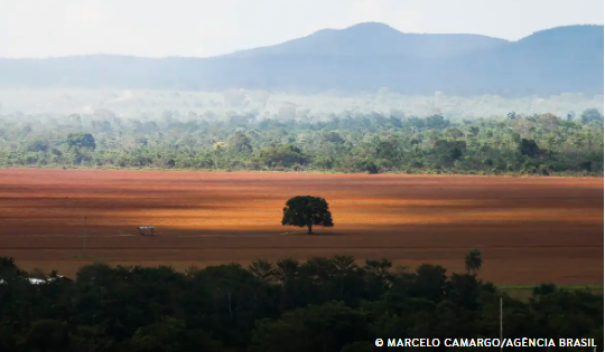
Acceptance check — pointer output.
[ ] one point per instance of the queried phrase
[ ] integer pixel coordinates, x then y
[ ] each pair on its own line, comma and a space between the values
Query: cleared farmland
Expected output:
530, 230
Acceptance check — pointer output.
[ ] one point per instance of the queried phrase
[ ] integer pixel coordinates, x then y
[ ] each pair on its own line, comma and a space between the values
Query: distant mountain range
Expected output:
364, 57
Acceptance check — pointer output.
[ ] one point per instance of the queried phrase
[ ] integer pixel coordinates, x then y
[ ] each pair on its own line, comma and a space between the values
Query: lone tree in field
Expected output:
473, 261
307, 211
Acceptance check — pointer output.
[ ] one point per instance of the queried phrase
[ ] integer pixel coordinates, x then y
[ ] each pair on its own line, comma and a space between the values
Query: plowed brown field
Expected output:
530, 230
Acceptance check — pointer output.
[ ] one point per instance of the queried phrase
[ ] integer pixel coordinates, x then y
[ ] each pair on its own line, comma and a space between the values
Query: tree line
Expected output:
539, 144
323, 304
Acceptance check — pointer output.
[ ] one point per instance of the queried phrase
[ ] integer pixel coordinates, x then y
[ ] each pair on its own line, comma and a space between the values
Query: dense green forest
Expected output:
323, 304
542, 144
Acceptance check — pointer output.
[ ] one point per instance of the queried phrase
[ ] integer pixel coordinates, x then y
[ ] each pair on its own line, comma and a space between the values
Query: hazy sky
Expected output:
42, 28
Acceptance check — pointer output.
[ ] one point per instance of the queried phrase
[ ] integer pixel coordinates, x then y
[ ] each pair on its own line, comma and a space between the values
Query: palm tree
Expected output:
262, 269
473, 261
286, 269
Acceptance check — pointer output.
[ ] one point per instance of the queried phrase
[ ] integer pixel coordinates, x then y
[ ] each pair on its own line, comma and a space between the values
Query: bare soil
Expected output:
529, 229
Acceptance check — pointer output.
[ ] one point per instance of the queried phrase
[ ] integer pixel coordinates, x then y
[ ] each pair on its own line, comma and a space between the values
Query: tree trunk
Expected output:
310, 227
230, 308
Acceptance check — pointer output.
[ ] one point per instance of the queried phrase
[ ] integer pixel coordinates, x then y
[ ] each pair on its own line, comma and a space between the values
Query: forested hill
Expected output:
364, 57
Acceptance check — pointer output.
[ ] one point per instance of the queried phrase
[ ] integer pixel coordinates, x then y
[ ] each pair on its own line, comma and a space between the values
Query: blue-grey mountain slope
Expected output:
364, 57
377, 39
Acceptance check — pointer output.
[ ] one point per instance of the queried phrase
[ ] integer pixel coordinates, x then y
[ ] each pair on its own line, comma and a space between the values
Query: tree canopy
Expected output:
307, 211
374, 143
81, 140
333, 304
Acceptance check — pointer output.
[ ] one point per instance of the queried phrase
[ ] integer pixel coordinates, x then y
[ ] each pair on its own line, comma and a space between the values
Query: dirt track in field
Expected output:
530, 230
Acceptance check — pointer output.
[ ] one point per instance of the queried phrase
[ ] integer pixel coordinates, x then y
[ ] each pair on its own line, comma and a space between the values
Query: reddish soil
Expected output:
530, 230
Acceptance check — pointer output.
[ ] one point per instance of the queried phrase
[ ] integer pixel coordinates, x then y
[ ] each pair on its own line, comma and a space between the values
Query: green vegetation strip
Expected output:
540, 144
